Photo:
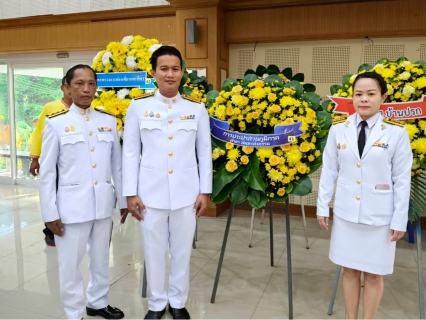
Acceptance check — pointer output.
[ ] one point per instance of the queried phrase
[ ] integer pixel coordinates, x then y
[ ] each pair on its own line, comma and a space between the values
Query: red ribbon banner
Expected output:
398, 110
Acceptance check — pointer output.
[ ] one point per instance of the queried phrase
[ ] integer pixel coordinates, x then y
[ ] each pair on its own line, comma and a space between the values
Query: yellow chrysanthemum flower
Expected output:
275, 175
263, 153
237, 89
233, 154
274, 160
281, 192
272, 97
257, 93
248, 150
231, 166
244, 159
229, 145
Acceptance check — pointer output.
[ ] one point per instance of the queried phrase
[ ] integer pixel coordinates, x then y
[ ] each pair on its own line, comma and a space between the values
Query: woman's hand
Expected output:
323, 222
396, 235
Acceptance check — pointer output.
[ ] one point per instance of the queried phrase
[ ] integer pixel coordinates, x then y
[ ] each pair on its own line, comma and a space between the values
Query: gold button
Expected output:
82, 112
170, 171
171, 154
358, 181
87, 118
170, 121
90, 133
92, 149
95, 182
169, 107
170, 137
358, 165
94, 165
358, 197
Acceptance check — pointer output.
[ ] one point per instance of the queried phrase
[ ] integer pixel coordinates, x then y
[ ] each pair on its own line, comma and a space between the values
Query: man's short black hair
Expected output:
64, 79
70, 73
164, 51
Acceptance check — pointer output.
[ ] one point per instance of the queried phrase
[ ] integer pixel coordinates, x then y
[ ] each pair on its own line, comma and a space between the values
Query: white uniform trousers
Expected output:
164, 230
94, 236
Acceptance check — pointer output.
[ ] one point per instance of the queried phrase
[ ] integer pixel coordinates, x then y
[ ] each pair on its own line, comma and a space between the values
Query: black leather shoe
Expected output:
108, 312
155, 314
179, 313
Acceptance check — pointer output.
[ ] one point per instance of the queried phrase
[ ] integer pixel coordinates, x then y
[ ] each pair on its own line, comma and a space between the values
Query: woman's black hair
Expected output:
164, 51
376, 77
70, 73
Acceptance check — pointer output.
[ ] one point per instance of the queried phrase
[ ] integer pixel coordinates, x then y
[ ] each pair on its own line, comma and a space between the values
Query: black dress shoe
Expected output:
155, 314
108, 312
179, 313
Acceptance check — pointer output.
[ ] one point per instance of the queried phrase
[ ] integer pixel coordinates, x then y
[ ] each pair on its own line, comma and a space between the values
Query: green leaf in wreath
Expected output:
218, 143
273, 69
346, 80
401, 59
320, 144
322, 133
289, 188
183, 80
249, 71
252, 175
365, 67
239, 192
274, 80
335, 88
222, 177
309, 87
257, 199
280, 199
328, 119
296, 85
209, 88
111, 60
228, 84
313, 98
298, 77
261, 70
324, 105
382, 61
211, 97
303, 186
185, 90
249, 78
226, 191
288, 73
421, 62
254, 130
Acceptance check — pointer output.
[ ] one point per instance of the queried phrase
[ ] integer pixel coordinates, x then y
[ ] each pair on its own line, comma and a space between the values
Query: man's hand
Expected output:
124, 212
201, 204
135, 205
396, 235
323, 222
56, 227
34, 167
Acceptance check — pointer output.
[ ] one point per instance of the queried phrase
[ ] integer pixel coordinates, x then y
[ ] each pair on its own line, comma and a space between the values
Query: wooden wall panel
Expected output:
84, 35
198, 50
326, 22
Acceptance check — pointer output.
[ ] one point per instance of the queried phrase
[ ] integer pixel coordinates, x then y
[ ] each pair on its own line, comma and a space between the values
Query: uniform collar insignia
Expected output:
105, 129
188, 117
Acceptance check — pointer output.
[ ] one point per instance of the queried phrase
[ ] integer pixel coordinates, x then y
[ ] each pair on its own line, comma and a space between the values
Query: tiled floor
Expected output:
249, 287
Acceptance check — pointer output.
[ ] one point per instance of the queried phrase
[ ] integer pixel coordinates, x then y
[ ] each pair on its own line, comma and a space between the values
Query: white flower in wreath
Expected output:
127, 40
408, 91
405, 76
404, 63
97, 56
154, 47
121, 94
131, 62
105, 58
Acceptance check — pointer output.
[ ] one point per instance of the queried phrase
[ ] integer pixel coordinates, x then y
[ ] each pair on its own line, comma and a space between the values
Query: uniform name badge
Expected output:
105, 129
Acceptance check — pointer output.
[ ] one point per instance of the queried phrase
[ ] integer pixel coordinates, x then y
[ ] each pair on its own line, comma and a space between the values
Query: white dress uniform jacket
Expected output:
85, 147
165, 131
372, 190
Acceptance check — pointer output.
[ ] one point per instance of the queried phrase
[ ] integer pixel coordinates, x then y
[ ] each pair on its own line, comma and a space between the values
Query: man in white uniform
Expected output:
83, 144
165, 134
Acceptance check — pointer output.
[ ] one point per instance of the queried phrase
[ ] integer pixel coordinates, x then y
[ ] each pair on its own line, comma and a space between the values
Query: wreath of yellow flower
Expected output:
406, 81
256, 105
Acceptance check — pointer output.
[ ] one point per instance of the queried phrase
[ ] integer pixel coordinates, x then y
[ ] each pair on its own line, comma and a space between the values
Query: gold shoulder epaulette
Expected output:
337, 121
399, 123
145, 95
104, 111
191, 98
57, 113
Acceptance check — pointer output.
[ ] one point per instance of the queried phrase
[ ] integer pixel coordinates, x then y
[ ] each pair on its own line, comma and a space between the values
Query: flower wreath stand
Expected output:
406, 101
268, 134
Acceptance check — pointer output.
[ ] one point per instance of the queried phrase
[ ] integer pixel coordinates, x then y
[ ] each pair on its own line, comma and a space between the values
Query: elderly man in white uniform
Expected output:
165, 134
83, 144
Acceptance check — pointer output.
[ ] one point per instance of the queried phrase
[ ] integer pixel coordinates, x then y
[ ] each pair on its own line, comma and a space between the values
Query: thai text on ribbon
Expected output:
283, 134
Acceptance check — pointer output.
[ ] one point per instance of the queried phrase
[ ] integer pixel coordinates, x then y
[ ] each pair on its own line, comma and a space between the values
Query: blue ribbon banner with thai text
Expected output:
283, 134
125, 80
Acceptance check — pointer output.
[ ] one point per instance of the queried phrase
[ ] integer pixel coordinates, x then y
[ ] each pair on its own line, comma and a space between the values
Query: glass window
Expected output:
4, 124
33, 89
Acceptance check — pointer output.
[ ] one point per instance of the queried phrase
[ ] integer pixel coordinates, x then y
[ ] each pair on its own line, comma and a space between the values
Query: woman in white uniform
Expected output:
370, 158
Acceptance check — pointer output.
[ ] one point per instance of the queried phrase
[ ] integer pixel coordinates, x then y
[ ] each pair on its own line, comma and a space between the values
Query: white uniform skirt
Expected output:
362, 247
